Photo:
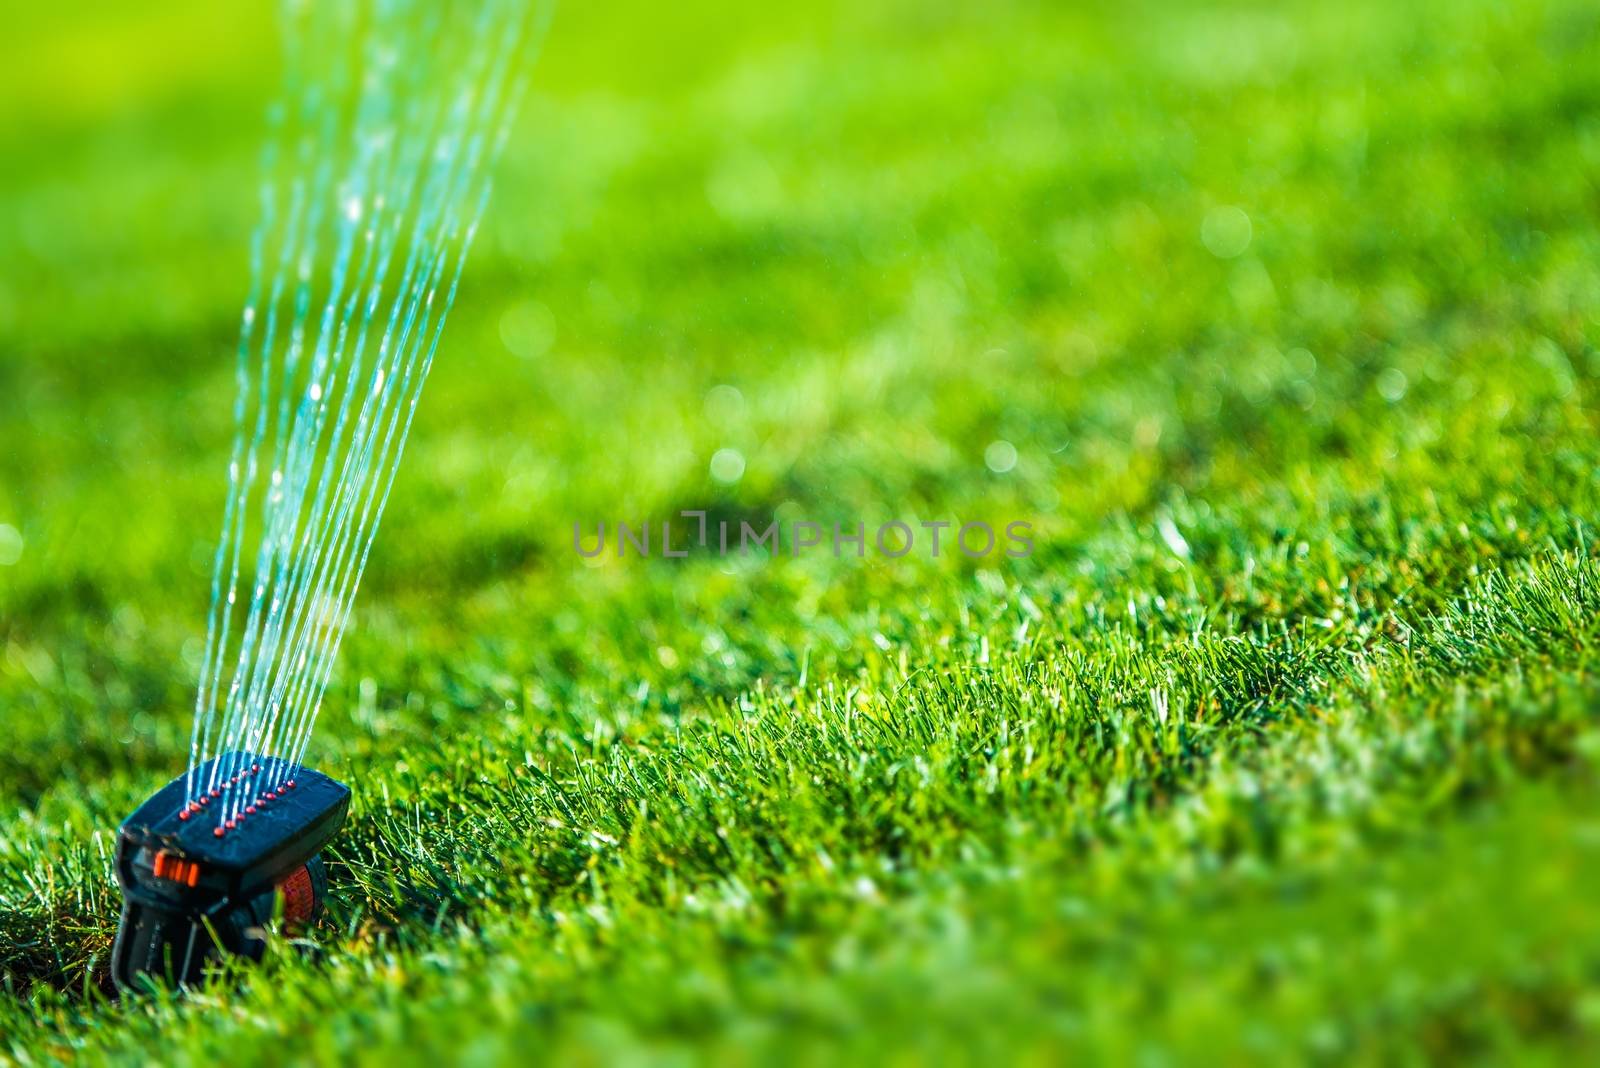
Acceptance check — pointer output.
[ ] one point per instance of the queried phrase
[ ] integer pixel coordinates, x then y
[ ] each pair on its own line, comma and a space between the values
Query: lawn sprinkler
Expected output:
400, 173
203, 877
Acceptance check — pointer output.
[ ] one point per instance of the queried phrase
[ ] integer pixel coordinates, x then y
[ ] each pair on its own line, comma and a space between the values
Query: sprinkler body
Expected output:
190, 894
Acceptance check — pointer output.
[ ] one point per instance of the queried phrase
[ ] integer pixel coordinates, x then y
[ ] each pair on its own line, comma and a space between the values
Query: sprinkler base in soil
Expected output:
196, 885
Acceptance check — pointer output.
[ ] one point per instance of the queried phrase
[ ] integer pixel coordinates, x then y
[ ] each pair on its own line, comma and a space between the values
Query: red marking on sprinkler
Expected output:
254, 768
231, 824
205, 800
233, 780
217, 832
215, 792
290, 784
184, 814
250, 810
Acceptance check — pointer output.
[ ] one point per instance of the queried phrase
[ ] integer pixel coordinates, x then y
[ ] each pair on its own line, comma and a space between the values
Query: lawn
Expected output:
1279, 323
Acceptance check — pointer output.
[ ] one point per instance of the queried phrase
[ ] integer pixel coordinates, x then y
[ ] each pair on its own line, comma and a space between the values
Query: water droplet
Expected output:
1000, 456
11, 545
1226, 232
727, 465
724, 405
528, 329
1392, 384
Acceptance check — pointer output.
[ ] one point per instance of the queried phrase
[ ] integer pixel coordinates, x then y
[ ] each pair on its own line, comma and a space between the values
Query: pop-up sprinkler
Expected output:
374, 179
196, 886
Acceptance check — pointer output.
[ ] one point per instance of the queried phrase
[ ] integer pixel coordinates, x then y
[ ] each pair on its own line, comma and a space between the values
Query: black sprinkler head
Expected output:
197, 884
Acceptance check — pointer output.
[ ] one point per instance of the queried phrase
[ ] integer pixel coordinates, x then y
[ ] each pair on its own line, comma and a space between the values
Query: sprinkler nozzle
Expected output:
196, 886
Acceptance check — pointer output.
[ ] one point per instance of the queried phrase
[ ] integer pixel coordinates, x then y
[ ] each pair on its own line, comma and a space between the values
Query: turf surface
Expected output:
1283, 745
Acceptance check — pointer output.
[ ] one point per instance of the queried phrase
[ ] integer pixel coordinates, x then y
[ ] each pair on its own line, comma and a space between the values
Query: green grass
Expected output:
1284, 745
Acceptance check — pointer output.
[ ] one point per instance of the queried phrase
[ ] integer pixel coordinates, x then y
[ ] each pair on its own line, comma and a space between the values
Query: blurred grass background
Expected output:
1282, 744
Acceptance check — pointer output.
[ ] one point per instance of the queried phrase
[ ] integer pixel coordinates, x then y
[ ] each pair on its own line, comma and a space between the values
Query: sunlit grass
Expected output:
1283, 743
